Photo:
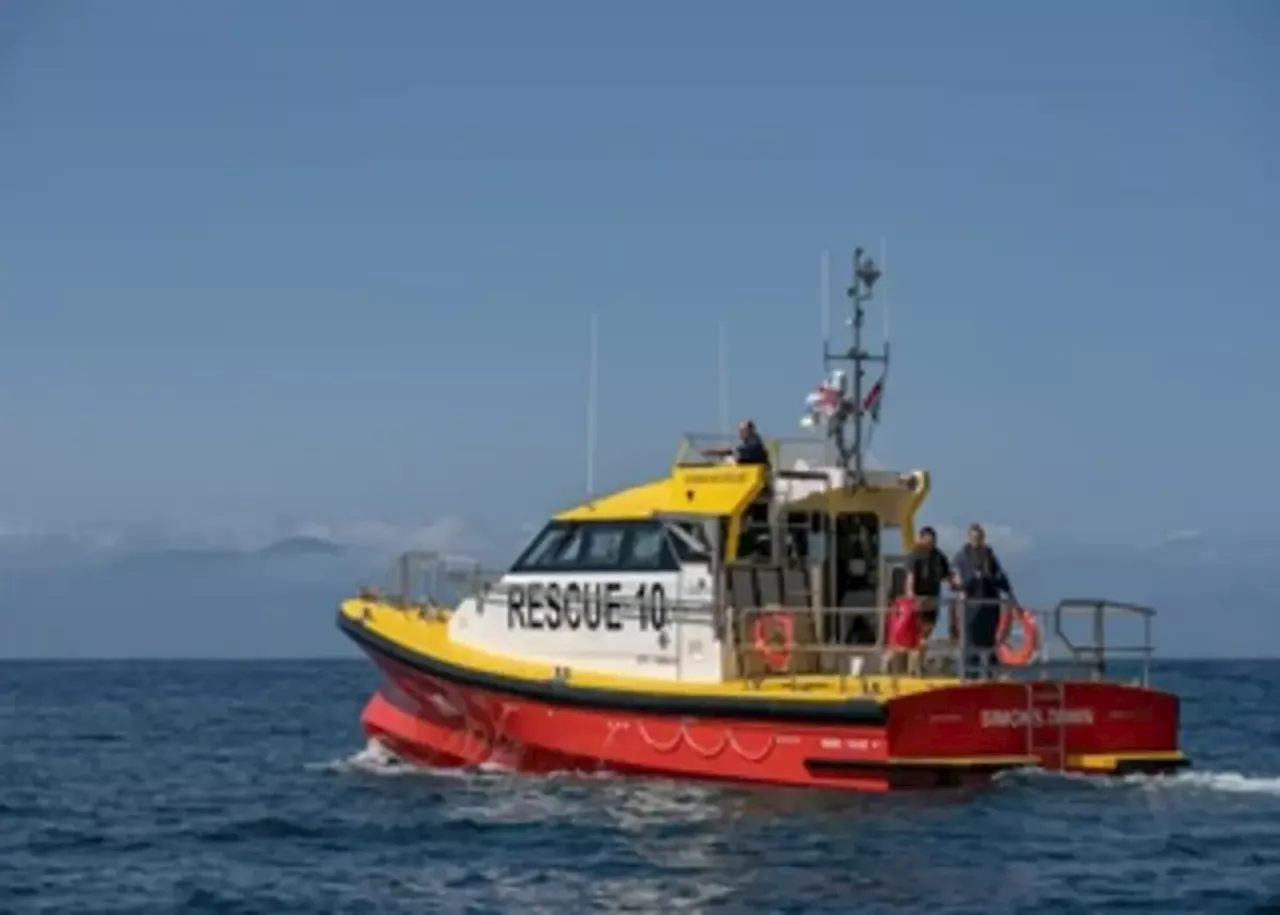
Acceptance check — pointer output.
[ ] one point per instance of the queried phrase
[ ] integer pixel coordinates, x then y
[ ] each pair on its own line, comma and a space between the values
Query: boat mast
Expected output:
852, 454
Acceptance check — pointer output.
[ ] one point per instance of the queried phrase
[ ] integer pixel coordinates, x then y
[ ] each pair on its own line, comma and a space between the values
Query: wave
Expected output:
374, 759
1225, 782
378, 759
1192, 780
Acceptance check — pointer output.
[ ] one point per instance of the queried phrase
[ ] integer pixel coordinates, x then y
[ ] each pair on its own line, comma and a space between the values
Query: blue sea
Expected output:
246, 787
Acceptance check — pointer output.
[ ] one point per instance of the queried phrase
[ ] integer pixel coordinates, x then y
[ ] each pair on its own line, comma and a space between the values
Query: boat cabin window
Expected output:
649, 549
604, 547
554, 546
691, 543
599, 546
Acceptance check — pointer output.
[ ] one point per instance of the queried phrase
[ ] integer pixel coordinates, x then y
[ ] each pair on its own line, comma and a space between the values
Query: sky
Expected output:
336, 262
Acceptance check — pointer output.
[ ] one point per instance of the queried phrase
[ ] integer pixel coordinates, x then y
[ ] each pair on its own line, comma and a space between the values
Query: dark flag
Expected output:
871, 403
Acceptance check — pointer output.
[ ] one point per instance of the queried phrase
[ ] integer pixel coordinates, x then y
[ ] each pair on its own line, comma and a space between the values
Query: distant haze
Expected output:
63, 598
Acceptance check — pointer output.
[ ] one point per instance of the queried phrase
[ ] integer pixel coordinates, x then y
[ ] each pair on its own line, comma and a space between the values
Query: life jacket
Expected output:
904, 632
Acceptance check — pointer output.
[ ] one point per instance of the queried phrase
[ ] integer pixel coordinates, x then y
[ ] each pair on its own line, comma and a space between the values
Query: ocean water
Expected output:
247, 787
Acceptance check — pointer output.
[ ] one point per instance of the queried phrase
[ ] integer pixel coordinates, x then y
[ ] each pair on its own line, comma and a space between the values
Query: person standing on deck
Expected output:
978, 575
927, 571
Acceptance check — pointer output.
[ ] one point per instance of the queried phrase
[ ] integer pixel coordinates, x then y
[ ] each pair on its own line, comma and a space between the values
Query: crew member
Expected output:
927, 570
749, 450
756, 538
978, 575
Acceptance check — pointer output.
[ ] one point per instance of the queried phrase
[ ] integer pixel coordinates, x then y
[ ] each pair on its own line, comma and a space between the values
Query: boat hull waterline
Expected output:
937, 738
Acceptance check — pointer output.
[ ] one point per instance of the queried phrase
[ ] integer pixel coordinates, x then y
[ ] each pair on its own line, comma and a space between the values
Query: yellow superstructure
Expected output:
728, 491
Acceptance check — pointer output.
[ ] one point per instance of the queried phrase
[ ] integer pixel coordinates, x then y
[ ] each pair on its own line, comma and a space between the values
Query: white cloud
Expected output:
445, 534
1182, 536
448, 532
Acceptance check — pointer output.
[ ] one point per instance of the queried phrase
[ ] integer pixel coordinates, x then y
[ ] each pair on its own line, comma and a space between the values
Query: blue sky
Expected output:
336, 261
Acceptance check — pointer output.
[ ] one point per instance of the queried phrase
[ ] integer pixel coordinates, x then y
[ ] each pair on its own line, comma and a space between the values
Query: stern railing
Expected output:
1061, 654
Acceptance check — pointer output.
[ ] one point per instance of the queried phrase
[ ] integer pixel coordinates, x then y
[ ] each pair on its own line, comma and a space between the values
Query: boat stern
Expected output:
1087, 727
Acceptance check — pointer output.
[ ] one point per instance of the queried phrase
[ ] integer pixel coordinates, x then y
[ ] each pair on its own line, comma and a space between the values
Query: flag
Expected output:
871, 403
823, 403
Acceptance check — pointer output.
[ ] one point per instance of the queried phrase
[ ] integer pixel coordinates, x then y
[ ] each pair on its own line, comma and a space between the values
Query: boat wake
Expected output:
1225, 782
1220, 782
376, 759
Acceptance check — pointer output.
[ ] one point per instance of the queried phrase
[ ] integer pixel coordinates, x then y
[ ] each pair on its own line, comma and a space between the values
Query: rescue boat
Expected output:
728, 622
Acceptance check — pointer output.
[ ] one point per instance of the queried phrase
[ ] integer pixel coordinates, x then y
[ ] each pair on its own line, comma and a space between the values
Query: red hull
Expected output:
945, 737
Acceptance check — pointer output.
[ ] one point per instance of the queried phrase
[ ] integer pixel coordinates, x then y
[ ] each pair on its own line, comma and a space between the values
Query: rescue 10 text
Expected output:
594, 606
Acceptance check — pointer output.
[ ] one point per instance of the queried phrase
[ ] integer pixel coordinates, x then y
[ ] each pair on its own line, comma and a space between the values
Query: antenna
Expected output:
852, 455
824, 296
722, 378
884, 267
591, 409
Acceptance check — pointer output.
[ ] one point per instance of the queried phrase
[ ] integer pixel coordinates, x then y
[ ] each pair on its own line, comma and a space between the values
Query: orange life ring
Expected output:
1025, 653
767, 628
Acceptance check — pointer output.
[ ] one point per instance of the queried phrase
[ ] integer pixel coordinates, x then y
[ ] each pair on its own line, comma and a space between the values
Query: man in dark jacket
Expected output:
978, 575
749, 450
927, 571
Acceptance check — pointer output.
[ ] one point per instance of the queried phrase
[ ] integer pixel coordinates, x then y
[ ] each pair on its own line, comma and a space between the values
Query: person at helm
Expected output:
749, 450
755, 538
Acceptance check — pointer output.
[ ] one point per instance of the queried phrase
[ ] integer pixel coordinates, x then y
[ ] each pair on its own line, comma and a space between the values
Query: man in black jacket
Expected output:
977, 573
927, 571
750, 449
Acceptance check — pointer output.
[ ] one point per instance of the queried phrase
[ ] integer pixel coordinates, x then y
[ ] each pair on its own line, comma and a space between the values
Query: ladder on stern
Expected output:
1047, 724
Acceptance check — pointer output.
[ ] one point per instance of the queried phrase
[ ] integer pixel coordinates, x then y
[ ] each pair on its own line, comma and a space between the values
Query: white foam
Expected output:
1226, 782
1192, 780
374, 759
378, 759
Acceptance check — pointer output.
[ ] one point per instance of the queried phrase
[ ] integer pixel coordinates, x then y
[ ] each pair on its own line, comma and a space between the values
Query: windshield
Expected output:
690, 542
